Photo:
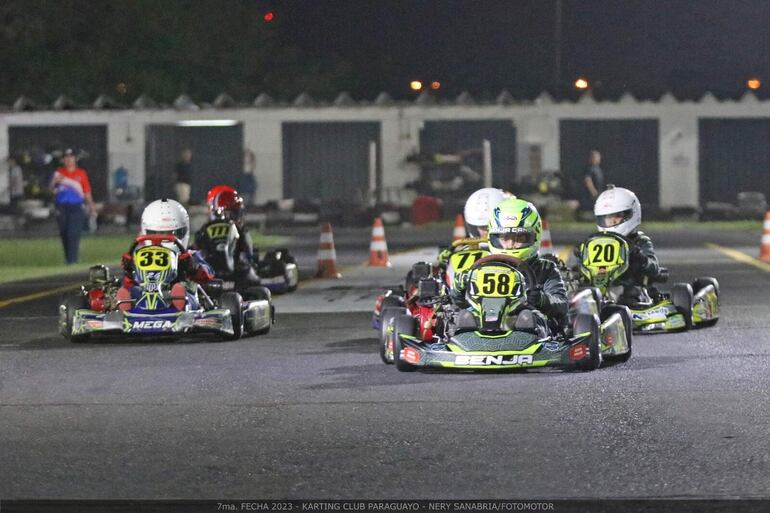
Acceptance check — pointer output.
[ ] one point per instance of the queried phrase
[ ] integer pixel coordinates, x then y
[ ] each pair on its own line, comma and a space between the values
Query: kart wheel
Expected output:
625, 316
585, 323
232, 301
682, 297
390, 301
388, 314
406, 325
258, 292
705, 282
71, 303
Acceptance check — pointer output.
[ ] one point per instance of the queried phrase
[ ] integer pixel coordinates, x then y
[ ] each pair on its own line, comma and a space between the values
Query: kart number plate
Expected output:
496, 282
153, 258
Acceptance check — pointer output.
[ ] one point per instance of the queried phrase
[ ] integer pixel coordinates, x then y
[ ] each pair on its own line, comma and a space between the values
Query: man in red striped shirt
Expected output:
71, 189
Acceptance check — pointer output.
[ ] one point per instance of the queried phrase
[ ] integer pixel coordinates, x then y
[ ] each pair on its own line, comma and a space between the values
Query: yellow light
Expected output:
754, 83
416, 85
581, 83
435, 85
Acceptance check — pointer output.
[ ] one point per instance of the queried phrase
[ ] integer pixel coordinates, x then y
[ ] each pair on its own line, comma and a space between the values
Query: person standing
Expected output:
71, 189
184, 177
247, 182
593, 180
16, 182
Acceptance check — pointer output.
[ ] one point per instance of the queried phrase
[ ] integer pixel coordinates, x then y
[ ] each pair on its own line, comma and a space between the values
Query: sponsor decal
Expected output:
410, 355
146, 325
551, 346
480, 359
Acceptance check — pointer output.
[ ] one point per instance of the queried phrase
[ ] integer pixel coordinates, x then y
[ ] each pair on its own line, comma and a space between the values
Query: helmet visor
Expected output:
614, 219
512, 238
179, 233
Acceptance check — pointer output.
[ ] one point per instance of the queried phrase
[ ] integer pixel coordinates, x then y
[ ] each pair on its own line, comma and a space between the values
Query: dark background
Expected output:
83, 49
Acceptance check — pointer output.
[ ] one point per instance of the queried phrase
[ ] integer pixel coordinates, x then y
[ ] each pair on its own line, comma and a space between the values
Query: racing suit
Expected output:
643, 265
549, 295
244, 253
191, 267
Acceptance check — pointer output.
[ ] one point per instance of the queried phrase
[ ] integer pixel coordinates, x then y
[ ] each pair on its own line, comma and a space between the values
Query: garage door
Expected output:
734, 157
629, 151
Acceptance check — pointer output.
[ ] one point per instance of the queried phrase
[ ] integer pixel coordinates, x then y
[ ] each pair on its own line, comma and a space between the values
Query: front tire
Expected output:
388, 314
625, 316
585, 323
232, 301
72, 302
682, 297
406, 325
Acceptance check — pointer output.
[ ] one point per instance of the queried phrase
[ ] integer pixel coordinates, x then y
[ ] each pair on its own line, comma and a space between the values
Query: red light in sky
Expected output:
269, 16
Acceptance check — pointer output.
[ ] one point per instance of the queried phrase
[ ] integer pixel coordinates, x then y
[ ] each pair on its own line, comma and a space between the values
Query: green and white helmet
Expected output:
515, 229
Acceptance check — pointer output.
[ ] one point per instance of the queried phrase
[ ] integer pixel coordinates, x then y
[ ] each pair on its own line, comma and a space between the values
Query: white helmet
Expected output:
617, 210
166, 216
479, 207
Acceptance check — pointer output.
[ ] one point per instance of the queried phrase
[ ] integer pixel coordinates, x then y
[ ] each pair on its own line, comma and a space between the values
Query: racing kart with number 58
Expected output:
493, 327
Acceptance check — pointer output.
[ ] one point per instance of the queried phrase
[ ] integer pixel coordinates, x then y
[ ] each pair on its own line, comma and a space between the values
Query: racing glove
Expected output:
187, 266
536, 298
127, 262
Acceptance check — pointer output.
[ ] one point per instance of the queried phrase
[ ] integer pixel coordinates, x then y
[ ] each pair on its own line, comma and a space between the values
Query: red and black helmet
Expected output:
227, 204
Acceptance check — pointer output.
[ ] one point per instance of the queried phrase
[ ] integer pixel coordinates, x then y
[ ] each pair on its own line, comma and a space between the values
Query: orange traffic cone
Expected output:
764, 247
378, 250
327, 256
459, 231
546, 246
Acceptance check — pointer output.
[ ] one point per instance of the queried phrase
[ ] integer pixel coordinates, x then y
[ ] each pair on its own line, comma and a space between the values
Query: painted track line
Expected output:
36, 295
740, 257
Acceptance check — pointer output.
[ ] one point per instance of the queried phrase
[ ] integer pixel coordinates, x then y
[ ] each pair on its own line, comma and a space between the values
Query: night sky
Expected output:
485, 46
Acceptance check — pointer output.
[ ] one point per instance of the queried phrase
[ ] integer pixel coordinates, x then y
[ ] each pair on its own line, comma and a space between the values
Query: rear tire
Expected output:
406, 325
625, 315
705, 282
232, 301
589, 323
388, 314
682, 297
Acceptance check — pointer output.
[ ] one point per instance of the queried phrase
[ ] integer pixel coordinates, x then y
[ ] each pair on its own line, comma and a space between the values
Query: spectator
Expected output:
247, 183
184, 177
593, 180
5, 184
16, 182
71, 189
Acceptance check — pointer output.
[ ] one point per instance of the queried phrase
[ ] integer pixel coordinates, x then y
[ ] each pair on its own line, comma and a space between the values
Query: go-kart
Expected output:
97, 310
217, 242
417, 298
441, 279
277, 270
604, 257
493, 327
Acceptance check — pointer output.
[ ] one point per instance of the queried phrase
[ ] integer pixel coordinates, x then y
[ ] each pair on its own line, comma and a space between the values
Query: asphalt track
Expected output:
309, 411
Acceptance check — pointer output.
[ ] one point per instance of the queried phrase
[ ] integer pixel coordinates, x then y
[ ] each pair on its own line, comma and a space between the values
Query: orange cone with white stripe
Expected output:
378, 250
546, 246
327, 256
459, 231
764, 248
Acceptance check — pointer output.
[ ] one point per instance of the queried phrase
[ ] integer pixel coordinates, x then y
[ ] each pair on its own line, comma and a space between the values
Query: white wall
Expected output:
536, 123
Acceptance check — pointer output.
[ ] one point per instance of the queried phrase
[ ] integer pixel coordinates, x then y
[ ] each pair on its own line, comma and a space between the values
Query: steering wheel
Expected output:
530, 278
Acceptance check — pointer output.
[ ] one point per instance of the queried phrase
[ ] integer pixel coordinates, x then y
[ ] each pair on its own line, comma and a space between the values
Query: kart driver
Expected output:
477, 209
167, 216
225, 204
515, 229
617, 210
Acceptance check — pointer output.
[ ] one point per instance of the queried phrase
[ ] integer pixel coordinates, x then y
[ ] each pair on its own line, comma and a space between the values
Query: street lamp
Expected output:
415, 85
581, 83
753, 83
